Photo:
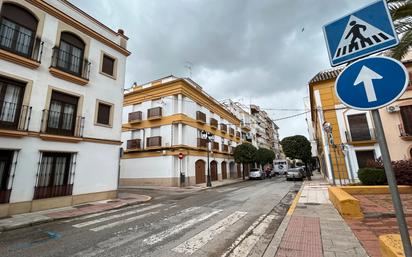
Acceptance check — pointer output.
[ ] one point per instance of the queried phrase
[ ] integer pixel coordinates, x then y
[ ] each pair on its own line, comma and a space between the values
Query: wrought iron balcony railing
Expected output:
14, 116
20, 43
63, 124
70, 63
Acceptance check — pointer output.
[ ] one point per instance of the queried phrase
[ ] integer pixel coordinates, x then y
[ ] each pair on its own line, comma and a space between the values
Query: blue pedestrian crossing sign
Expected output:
372, 83
363, 32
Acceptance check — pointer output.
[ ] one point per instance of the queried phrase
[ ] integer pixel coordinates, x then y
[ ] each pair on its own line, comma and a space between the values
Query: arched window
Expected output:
17, 29
70, 55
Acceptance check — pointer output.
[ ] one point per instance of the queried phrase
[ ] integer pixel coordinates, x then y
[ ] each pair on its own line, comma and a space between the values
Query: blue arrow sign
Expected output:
363, 32
372, 83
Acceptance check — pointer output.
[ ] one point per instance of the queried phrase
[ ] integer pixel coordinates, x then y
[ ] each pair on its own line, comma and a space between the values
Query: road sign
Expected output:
181, 156
363, 32
372, 83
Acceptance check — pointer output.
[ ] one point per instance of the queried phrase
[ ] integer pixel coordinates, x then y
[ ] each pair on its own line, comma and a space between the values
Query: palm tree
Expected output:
401, 12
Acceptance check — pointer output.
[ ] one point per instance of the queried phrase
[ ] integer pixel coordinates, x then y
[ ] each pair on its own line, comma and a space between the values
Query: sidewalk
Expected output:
32, 218
193, 188
314, 228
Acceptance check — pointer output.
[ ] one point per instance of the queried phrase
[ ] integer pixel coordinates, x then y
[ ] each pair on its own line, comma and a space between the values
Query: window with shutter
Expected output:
406, 114
103, 114
108, 65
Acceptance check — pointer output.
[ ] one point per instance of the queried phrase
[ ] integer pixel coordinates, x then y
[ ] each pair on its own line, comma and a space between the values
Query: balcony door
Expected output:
359, 128
62, 114
71, 51
363, 157
17, 29
406, 114
11, 94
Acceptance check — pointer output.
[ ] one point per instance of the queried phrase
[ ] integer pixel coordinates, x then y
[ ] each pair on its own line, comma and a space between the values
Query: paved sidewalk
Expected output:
313, 227
32, 218
193, 188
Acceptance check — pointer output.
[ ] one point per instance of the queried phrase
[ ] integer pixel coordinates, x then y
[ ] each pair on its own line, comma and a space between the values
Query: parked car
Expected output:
295, 173
256, 173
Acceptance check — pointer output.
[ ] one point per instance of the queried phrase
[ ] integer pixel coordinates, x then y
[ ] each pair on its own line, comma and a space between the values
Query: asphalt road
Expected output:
234, 220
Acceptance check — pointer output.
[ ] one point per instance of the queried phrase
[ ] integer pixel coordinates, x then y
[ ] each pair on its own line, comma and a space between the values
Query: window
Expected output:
17, 29
359, 128
6, 160
70, 53
62, 114
55, 175
406, 114
363, 157
11, 94
103, 113
108, 65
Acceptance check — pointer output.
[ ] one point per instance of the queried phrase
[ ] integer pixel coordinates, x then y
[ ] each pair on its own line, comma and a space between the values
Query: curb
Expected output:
46, 219
273, 246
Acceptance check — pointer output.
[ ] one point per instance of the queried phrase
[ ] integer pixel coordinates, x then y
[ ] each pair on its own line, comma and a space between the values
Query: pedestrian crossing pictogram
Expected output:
358, 35
363, 32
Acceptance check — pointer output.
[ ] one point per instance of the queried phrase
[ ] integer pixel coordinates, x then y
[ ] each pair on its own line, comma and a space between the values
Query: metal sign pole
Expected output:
397, 204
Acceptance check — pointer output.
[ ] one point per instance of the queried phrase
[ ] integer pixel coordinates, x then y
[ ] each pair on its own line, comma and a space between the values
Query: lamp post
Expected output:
209, 137
327, 127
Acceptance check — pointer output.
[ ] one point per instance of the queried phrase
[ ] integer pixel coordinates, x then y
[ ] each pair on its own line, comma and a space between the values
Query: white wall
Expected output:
93, 172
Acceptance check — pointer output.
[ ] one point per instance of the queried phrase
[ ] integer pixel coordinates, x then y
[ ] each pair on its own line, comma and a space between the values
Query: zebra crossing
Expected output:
170, 228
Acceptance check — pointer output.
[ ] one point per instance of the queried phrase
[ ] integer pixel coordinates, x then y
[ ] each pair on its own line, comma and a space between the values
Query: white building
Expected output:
166, 117
61, 91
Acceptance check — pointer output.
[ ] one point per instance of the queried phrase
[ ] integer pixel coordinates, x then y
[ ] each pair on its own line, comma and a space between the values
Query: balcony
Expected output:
200, 117
405, 134
135, 117
225, 148
134, 144
215, 146
20, 48
70, 67
231, 132
201, 143
154, 113
361, 136
213, 123
63, 125
14, 118
244, 126
223, 128
154, 141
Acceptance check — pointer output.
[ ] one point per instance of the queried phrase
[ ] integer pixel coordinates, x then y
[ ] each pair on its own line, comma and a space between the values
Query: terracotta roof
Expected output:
326, 74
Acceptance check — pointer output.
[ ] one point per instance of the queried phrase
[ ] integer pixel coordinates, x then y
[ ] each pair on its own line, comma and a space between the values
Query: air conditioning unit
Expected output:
393, 108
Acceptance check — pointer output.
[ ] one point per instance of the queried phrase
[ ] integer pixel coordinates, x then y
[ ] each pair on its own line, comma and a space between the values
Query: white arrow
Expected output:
366, 76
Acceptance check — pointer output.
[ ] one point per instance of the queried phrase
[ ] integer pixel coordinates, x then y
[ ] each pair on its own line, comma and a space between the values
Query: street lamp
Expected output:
327, 127
209, 137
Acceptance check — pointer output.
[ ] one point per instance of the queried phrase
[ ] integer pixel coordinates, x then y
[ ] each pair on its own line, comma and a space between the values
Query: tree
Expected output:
264, 156
245, 153
401, 12
298, 147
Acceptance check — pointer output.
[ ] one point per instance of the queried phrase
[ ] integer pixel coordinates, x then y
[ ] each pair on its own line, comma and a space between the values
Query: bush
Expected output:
402, 170
372, 176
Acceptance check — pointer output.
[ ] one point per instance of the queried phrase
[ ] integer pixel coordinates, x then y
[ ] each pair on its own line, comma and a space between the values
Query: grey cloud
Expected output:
239, 48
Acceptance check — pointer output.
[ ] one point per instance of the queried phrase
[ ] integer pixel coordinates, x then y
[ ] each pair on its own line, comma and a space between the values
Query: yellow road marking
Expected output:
294, 203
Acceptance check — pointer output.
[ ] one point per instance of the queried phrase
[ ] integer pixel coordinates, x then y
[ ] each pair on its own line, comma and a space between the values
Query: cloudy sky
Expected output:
253, 51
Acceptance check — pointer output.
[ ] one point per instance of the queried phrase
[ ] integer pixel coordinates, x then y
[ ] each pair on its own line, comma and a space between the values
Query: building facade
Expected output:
165, 118
352, 141
61, 90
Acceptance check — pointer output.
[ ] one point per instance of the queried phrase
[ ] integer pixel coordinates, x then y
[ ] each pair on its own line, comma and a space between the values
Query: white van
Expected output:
280, 166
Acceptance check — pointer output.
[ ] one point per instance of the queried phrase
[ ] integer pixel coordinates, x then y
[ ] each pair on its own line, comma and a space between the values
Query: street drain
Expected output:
312, 203
301, 207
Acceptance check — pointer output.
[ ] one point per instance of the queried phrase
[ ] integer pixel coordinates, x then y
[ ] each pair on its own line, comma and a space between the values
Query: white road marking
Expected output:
103, 213
249, 242
195, 243
176, 229
243, 235
88, 223
121, 222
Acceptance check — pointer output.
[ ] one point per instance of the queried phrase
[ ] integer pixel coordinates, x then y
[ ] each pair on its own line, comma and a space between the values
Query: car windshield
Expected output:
254, 170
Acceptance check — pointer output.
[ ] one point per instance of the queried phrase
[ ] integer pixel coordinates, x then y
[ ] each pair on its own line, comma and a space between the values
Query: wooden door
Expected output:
213, 170
224, 170
200, 172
